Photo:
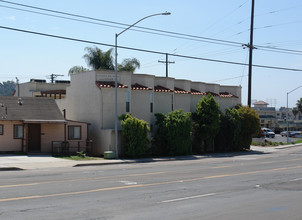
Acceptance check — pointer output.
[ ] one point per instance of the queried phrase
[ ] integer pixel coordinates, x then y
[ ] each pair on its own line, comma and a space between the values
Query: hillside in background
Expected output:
7, 88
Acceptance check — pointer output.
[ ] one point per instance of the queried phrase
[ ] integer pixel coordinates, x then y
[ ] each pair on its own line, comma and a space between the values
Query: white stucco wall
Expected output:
140, 105
86, 102
182, 101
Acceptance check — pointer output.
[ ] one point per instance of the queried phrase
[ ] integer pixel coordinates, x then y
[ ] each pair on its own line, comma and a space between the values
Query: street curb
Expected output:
288, 146
128, 162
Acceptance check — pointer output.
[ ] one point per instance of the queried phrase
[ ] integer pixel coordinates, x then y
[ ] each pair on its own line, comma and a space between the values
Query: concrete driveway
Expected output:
15, 162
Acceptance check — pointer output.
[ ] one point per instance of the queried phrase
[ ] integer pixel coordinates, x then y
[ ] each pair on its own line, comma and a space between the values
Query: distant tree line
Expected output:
7, 88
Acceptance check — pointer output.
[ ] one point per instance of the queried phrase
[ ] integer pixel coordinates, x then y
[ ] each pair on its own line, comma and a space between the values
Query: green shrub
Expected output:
160, 145
250, 126
230, 126
135, 133
173, 136
206, 124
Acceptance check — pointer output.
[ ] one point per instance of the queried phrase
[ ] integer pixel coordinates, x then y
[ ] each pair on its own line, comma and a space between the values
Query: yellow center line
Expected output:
80, 179
146, 185
129, 175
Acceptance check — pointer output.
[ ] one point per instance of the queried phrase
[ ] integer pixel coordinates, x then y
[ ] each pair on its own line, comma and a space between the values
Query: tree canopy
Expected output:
97, 59
206, 122
77, 69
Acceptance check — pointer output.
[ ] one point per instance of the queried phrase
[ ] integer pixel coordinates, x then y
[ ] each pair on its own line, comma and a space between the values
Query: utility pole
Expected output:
17, 80
251, 46
167, 62
53, 76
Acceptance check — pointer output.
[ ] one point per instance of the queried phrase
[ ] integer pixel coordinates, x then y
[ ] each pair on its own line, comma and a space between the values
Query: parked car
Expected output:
268, 132
284, 133
295, 134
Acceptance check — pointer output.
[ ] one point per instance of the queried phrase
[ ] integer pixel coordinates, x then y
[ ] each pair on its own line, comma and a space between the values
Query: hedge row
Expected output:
179, 133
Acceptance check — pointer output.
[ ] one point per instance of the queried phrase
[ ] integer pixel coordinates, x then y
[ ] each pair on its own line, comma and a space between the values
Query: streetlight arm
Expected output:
294, 89
165, 13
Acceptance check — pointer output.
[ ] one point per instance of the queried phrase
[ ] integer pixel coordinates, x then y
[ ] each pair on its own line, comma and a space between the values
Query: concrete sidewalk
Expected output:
29, 162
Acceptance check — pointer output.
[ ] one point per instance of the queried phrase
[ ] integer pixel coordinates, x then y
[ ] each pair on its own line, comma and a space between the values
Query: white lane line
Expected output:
128, 182
296, 179
191, 197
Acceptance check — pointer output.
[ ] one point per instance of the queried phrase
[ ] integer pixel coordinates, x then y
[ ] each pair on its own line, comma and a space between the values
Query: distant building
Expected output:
267, 114
40, 88
276, 120
90, 97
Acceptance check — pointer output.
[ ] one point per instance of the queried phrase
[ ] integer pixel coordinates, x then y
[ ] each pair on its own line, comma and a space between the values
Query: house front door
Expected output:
34, 137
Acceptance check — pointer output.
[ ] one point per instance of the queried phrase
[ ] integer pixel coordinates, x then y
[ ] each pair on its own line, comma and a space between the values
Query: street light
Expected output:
287, 111
115, 85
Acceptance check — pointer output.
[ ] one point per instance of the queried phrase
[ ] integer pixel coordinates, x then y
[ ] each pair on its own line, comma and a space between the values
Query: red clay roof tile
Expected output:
103, 84
196, 92
180, 91
137, 86
162, 89
227, 95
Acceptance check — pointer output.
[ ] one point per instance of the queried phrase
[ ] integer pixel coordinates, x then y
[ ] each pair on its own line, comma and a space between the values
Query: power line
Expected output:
148, 51
117, 23
114, 24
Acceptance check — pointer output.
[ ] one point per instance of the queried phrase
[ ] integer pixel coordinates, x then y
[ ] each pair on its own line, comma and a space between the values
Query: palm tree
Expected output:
97, 59
129, 65
295, 111
77, 69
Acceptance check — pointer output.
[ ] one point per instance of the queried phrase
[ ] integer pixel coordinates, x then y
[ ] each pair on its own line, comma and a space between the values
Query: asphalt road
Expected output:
244, 186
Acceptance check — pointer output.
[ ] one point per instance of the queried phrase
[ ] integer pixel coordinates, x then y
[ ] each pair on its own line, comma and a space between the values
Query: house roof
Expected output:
33, 109
105, 84
260, 103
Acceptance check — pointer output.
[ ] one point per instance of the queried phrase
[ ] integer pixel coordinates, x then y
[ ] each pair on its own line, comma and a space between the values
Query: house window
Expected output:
1, 129
74, 132
151, 102
128, 101
18, 131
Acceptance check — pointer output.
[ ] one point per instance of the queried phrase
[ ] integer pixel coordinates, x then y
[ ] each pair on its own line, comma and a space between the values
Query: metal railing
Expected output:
71, 147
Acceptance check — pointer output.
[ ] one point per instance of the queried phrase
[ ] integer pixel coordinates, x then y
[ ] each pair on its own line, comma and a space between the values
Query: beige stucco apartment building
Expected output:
90, 98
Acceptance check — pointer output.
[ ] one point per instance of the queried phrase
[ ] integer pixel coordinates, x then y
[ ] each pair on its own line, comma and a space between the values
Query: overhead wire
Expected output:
148, 51
136, 28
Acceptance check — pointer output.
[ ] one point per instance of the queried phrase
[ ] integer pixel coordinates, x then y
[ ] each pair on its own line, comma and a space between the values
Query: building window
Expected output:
1, 129
128, 101
74, 132
151, 102
18, 131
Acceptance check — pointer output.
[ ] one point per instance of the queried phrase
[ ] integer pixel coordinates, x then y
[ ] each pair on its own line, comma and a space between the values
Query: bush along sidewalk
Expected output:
180, 133
135, 134
173, 136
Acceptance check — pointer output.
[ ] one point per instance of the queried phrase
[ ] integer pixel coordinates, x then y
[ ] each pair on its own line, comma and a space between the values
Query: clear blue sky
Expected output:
277, 24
